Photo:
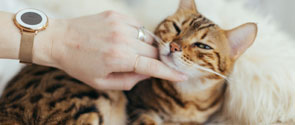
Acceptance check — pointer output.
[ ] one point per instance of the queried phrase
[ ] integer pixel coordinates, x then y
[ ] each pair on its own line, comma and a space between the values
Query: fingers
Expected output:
120, 81
130, 23
149, 67
133, 33
149, 38
137, 48
155, 68
144, 49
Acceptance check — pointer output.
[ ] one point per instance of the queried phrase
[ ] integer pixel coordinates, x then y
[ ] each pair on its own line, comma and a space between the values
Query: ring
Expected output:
141, 34
136, 62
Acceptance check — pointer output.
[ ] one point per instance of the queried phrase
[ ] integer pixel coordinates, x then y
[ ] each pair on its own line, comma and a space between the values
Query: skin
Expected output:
100, 50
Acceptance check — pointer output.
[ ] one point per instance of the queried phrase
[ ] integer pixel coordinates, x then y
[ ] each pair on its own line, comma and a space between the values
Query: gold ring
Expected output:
136, 62
141, 34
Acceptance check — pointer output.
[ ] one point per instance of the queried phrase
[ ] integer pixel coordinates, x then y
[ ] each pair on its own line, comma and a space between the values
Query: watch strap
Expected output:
26, 47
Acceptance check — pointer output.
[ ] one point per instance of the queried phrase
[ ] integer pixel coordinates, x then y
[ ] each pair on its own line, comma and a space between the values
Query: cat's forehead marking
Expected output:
200, 22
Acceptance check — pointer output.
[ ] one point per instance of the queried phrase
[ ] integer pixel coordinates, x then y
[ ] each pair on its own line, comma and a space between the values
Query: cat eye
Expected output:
202, 46
176, 28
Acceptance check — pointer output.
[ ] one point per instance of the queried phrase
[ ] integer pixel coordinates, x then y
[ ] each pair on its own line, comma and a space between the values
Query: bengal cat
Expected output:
190, 43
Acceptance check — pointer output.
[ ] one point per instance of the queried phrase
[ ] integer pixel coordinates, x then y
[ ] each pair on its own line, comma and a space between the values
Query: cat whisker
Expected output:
181, 58
157, 39
199, 67
183, 64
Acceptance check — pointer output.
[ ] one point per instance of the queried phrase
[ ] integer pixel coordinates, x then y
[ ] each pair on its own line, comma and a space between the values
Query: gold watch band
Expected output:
26, 47
30, 22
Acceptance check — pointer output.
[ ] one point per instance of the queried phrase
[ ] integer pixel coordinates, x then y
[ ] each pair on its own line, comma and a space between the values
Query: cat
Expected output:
191, 44
261, 87
47, 96
203, 51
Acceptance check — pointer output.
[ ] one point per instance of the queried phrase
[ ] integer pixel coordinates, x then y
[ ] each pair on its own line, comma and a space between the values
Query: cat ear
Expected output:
187, 5
241, 38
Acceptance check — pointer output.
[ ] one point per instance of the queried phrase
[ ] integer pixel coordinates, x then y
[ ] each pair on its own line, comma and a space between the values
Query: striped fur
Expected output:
191, 44
41, 95
189, 40
157, 102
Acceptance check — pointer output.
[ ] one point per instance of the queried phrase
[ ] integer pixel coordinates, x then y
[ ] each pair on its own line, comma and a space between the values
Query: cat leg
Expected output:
9, 119
90, 119
8, 122
152, 118
182, 123
147, 118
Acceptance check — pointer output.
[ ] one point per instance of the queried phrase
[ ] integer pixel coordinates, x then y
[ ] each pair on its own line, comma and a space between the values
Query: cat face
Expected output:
197, 47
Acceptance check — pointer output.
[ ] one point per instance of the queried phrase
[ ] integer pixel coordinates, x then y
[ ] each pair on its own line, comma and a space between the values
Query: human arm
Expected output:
100, 50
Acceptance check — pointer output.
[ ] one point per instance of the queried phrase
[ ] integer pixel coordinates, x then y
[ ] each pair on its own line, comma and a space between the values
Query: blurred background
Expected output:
281, 11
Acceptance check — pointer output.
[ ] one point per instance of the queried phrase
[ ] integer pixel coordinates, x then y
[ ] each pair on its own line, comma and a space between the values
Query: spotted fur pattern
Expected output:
191, 44
41, 95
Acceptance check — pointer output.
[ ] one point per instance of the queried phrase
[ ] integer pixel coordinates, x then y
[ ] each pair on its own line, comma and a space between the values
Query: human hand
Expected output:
103, 51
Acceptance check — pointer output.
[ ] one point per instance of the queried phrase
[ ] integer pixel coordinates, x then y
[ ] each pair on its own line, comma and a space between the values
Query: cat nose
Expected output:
174, 47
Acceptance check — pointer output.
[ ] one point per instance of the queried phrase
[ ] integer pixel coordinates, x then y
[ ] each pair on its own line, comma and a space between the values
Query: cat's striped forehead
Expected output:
190, 23
202, 42
200, 22
182, 25
193, 33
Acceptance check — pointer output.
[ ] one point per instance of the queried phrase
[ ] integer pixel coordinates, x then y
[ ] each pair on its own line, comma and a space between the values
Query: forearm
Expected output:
10, 37
100, 50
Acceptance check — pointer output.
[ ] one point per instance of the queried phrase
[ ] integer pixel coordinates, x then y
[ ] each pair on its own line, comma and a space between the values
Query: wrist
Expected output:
9, 37
47, 47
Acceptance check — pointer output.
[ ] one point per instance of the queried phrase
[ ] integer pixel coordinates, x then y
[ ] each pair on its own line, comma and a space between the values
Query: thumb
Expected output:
120, 81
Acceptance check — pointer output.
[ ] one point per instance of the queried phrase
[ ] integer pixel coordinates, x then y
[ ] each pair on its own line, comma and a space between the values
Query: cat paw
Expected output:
89, 119
148, 119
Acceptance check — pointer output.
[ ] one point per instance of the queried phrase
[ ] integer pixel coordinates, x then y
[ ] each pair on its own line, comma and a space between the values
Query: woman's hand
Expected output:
103, 51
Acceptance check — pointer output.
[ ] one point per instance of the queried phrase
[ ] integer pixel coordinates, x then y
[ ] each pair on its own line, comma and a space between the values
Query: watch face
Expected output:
31, 19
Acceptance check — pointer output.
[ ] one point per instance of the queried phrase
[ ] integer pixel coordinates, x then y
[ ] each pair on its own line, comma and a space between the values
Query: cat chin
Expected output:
193, 85
171, 62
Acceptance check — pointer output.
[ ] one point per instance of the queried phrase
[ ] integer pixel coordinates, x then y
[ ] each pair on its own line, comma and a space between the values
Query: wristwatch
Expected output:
30, 22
